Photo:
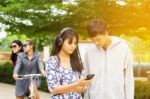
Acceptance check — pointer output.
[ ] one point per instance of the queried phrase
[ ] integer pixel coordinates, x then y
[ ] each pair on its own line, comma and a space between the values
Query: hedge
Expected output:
6, 72
142, 89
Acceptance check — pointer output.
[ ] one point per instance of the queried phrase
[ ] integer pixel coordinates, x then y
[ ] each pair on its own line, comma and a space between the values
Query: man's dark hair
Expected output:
96, 26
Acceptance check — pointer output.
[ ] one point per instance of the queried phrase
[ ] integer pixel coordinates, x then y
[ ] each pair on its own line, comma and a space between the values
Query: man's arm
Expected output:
87, 71
129, 79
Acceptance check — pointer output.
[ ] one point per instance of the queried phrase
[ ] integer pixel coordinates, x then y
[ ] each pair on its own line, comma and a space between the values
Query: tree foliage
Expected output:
131, 19
44, 17
31, 17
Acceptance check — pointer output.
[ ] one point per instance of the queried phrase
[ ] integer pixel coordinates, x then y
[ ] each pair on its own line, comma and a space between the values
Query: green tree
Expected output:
130, 19
31, 17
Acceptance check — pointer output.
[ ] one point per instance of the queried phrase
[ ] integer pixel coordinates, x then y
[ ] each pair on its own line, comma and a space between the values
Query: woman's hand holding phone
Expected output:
83, 83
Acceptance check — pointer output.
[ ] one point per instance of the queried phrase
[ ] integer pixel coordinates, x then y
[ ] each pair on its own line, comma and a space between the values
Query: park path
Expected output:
7, 91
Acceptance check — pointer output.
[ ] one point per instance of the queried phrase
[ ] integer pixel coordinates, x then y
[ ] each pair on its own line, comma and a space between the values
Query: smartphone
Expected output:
90, 76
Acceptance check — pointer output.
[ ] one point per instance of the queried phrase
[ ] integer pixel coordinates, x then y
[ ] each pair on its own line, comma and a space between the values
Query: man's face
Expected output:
100, 40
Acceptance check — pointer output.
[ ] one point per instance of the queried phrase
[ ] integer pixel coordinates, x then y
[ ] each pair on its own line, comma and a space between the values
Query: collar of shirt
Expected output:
34, 56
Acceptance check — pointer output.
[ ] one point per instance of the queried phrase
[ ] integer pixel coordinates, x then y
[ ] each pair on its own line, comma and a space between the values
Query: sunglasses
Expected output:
13, 46
25, 45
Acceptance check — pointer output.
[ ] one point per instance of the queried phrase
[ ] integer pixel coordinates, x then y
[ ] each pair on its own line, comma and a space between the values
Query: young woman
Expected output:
28, 62
64, 67
16, 47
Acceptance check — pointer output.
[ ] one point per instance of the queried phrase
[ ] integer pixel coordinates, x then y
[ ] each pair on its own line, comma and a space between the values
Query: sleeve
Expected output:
40, 63
51, 74
129, 79
87, 71
18, 64
85, 63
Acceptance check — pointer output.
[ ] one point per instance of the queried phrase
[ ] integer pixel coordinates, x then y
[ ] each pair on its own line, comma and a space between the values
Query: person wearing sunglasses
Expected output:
16, 47
28, 62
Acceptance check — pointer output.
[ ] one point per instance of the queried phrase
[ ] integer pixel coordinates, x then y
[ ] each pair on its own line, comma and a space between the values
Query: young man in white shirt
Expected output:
109, 58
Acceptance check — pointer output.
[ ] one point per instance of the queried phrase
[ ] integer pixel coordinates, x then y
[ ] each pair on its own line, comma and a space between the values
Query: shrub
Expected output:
142, 89
6, 72
44, 86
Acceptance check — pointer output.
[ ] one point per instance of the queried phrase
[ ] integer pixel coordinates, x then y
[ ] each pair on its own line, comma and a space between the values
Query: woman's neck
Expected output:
64, 59
63, 55
30, 53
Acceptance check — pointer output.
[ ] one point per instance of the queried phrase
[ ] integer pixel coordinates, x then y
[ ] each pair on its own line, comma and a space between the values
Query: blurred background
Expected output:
41, 20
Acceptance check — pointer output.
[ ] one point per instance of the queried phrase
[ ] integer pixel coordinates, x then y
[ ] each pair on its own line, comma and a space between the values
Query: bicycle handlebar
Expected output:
28, 76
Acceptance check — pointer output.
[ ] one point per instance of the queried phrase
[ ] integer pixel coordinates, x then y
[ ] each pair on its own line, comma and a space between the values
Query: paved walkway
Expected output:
8, 92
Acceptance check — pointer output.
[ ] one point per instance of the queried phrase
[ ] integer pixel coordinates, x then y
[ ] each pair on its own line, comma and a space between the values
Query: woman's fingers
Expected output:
83, 82
15, 76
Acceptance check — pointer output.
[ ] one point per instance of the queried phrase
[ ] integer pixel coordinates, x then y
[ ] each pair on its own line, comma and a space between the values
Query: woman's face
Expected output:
15, 48
68, 47
27, 47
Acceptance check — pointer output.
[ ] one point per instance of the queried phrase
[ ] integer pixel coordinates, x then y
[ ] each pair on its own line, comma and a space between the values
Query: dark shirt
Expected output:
26, 66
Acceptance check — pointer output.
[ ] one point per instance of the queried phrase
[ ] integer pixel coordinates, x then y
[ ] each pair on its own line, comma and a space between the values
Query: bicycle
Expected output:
32, 94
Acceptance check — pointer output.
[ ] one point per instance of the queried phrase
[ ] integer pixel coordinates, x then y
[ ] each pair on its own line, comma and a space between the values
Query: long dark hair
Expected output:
75, 58
14, 55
